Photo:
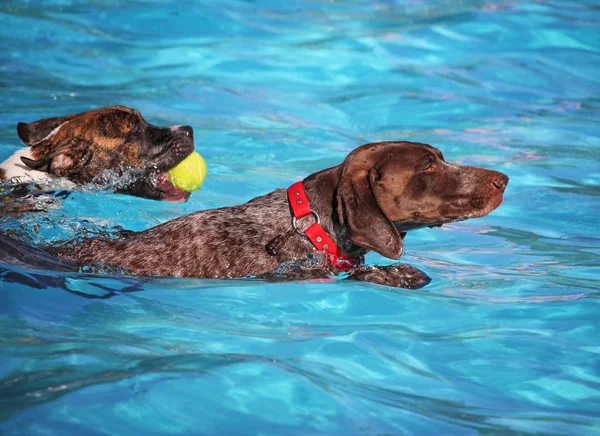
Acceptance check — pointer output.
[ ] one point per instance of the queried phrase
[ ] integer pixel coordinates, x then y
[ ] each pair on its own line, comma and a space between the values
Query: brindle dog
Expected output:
380, 192
100, 145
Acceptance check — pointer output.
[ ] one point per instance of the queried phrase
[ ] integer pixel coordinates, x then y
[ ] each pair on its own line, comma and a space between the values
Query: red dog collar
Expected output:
315, 233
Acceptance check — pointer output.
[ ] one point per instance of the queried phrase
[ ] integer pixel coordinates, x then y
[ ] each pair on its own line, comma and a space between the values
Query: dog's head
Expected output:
89, 146
387, 188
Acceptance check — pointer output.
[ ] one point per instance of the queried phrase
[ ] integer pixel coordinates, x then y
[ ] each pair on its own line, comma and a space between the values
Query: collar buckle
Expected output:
295, 222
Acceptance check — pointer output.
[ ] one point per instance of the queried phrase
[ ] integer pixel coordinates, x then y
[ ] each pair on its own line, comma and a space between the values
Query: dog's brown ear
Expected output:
359, 211
68, 159
39, 165
32, 133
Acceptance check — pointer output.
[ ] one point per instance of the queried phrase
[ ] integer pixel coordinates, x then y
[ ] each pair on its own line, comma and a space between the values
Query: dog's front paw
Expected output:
399, 276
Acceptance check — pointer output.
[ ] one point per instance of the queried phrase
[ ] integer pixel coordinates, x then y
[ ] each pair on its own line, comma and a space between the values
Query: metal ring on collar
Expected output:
295, 222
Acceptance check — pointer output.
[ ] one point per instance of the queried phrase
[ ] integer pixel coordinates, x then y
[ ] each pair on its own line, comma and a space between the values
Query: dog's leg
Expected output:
315, 266
399, 276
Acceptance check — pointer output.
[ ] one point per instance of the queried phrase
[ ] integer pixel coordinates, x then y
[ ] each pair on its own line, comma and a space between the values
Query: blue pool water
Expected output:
505, 339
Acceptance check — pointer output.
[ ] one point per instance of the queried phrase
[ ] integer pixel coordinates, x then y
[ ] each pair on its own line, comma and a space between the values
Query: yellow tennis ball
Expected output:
189, 174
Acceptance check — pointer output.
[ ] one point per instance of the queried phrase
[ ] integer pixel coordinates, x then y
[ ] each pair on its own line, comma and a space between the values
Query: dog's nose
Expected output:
186, 130
500, 181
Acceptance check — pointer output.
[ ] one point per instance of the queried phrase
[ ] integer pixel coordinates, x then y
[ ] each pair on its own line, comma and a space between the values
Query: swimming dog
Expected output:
112, 145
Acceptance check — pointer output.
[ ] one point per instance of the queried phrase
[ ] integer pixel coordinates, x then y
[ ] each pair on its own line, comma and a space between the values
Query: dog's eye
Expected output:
431, 168
136, 129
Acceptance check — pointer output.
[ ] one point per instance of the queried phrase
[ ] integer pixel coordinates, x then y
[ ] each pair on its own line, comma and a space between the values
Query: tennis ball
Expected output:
188, 174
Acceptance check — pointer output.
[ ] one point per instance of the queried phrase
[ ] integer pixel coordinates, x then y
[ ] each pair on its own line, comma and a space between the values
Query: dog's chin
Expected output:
492, 204
156, 186
477, 212
168, 191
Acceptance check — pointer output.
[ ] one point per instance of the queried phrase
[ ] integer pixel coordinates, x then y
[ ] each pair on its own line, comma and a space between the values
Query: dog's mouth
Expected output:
155, 184
168, 191
459, 211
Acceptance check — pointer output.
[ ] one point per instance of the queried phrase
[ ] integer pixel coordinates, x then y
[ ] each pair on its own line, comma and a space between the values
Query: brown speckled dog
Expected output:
99, 146
369, 202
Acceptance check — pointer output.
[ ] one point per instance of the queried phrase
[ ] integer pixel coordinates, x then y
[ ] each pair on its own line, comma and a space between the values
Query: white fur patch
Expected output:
17, 172
51, 134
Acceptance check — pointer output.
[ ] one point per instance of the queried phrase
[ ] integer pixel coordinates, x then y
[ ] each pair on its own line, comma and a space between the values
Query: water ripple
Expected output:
504, 339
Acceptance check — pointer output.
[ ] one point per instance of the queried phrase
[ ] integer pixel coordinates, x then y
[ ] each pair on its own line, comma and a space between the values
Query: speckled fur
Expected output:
226, 243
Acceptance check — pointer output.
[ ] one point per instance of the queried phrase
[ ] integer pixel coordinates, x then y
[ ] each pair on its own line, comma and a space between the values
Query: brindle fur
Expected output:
85, 147
379, 192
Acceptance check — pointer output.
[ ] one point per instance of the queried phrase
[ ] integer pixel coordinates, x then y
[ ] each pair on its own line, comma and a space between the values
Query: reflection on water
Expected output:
504, 339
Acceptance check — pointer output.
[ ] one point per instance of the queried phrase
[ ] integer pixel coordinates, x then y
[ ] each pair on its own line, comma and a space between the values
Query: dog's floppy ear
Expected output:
32, 133
66, 160
358, 209
39, 165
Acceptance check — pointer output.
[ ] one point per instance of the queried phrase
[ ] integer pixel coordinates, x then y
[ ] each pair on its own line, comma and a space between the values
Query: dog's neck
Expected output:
321, 190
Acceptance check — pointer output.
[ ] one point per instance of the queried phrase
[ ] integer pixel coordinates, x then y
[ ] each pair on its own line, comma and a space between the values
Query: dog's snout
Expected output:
187, 131
182, 130
500, 181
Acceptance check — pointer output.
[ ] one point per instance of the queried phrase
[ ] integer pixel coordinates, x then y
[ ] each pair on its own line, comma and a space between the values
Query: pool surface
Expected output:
506, 338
